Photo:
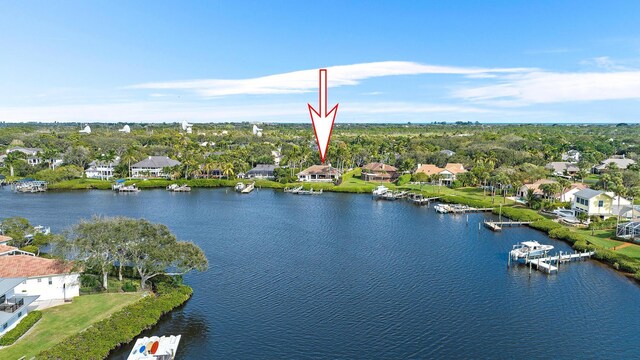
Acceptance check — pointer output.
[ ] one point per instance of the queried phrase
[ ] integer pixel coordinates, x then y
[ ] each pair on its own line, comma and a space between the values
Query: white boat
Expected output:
529, 249
155, 348
248, 188
240, 186
380, 190
178, 188
129, 188
440, 208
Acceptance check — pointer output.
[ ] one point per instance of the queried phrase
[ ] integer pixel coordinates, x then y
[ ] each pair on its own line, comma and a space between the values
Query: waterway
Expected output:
344, 276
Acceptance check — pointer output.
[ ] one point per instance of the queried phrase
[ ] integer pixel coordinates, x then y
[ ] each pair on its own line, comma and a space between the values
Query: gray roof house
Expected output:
447, 152
620, 161
262, 171
153, 166
562, 168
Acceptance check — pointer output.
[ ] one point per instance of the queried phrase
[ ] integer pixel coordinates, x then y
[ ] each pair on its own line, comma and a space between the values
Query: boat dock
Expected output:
546, 263
301, 191
497, 225
458, 209
419, 199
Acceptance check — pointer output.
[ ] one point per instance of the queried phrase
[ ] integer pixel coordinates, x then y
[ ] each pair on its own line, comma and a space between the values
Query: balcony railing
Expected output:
12, 305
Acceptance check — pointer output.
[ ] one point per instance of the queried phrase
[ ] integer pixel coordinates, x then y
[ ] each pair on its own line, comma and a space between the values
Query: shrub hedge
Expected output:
519, 214
23, 326
120, 328
403, 179
545, 225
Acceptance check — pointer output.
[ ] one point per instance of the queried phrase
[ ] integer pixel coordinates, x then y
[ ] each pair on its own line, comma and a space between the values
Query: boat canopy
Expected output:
120, 181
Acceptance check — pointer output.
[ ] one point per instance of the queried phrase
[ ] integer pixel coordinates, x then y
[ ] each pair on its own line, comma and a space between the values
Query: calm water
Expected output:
342, 276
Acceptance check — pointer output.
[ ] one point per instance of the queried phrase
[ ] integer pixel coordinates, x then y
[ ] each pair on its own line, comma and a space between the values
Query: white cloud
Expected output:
307, 80
539, 87
199, 112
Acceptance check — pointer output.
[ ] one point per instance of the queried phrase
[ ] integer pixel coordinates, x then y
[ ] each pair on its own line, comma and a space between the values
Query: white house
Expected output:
32, 154
102, 169
14, 305
153, 166
572, 156
319, 173
48, 279
598, 203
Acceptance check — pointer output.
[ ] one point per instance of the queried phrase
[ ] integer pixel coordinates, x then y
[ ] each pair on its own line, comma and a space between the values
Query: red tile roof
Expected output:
455, 168
12, 266
429, 169
4, 238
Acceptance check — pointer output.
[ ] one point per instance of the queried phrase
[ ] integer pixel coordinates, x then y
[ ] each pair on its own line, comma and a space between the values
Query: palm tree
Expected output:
14, 158
227, 169
132, 154
48, 156
564, 184
209, 166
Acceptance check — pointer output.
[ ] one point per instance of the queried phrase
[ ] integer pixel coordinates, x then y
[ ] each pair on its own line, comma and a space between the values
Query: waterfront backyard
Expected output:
62, 321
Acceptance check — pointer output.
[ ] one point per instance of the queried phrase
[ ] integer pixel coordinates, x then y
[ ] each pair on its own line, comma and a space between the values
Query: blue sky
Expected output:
201, 61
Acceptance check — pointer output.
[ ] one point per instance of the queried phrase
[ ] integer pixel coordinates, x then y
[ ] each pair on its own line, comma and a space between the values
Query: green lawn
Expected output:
591, 179
632, 251
601, 238
62, 321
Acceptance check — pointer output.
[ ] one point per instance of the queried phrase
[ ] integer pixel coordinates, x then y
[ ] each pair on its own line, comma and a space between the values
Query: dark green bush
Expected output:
23, 326
120, 328
129, 286
545, 225
30, 248
519, 214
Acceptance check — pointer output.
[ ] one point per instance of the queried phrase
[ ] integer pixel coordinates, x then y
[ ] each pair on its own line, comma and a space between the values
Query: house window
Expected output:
50, 281
39, 280
20, 314
601, 203
24, 282
5, 326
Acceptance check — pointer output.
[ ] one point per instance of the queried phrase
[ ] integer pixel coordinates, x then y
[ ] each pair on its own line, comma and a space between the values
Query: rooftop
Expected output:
320, 169
589, 193
7, 284
376, 166
156, 162
31, 266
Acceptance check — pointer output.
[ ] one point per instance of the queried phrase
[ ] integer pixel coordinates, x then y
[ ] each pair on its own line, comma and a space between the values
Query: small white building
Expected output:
14, 305
572, 156
102, 169
48, 279
153, 166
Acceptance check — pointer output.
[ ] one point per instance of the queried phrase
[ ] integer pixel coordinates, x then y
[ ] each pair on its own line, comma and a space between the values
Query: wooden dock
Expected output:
546, 263
497, 225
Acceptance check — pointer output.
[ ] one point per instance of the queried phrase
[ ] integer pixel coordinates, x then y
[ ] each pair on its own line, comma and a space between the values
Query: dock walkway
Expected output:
546, 263
497, 225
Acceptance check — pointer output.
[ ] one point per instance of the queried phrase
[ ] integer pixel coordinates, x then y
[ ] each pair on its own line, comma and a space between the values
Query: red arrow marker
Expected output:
322, 121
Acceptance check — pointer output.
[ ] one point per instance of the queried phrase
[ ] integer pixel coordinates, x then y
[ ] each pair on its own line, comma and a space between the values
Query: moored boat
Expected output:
155, 348
128, 189
529, 249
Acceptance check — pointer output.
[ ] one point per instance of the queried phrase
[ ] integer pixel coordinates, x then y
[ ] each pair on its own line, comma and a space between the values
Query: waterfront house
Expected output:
450, 172
153, 166
428, 169
14, 305
104, 170
49, 279
446, 176
572, 156
262, 171
598, 203
619, 160
32, 154
319, 173
562, 168
534, 187
379, 172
